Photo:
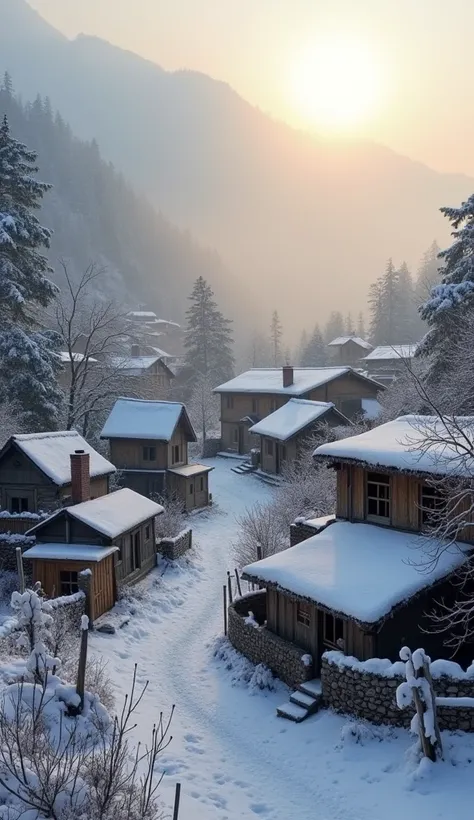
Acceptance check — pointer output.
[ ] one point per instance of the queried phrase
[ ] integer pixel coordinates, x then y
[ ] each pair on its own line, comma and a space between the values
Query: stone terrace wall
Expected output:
211, 447
260, 645
173, 548
301, 531
349, 687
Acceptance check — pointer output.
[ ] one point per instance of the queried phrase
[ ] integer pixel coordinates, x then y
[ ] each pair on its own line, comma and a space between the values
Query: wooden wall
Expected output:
125, 567
179, 439
103, 591
128, 454
189, 489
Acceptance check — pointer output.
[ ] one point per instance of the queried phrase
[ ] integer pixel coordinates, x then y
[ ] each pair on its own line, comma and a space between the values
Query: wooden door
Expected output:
103, 586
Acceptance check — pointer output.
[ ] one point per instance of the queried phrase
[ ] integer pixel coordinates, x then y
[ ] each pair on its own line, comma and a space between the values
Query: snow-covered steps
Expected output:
305, 701
267, 478
244, 468
292, 712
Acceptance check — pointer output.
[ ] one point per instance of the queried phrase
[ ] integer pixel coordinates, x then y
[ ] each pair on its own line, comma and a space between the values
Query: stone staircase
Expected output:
243, 468
268, 478
303, 702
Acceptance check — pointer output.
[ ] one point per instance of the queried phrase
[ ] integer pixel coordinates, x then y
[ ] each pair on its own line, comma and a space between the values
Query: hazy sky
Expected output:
396, 71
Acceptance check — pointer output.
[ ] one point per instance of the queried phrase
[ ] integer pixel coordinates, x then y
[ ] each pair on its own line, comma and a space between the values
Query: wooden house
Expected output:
146, 375
348, 350
253, 395
365, 583
35, 471
112, 536
149, 445
283, 433
386, 362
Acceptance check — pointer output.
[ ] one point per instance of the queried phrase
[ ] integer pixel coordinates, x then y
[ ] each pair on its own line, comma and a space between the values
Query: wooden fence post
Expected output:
238, 582
20, 568
439, 745
426, 744
81, 669
224, 590
177, 796
229, 584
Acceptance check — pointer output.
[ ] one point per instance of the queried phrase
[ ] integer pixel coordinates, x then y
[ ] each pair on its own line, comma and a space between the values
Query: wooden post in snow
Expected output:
238, 582
177, 796
20, 568
224, 590
81, 669
427, 674
229, 584
259, 552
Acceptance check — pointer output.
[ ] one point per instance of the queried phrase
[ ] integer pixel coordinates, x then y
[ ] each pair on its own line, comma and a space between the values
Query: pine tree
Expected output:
7, 85
428, 272
361, 326
450, 302
315, 353
28, 360
406, 318
334, 327
349, 325
208, 339
300, 350
276, 333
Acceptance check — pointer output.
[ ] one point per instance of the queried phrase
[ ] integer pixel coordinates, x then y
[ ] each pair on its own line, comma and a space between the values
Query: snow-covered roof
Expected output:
391, 352
360, 570
118, 512
162, 353
270, 380
141, 418
51, 452
343, 340
142, 314
65, 357
133, 364
69, 552
293, 417
188, 470
419, 444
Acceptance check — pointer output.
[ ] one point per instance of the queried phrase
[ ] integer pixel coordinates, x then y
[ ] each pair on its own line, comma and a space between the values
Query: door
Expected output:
277, 459
241, 439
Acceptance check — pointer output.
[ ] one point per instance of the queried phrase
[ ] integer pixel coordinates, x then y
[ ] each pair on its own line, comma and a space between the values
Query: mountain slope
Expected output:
311, 222
97, 218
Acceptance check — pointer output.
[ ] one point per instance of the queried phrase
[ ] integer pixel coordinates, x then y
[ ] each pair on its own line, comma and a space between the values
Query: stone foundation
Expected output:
371, 696
260, 645
173, 548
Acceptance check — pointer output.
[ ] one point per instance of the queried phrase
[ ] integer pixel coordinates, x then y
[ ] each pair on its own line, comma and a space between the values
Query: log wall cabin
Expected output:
252, 396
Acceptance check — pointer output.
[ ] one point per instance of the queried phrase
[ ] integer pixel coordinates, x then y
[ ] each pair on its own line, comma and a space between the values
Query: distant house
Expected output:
366, 583
35, 471
284, 432
149, 374
112, 536
348, 350
386, 362
145, 328
253, 395
149, 446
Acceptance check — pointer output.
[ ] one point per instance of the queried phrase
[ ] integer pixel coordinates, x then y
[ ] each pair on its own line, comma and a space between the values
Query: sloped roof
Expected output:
418, 444
360, 570
343, 340
383, 352
144, 419
270, 380
133, 363
293, 417
51, 453
69, 552
113, 514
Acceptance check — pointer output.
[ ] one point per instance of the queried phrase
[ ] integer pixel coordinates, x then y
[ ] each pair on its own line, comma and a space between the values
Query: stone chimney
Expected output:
135, 351
288, 375
80, 477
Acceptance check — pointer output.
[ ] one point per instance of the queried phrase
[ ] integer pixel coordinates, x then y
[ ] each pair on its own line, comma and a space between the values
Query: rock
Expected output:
107, 628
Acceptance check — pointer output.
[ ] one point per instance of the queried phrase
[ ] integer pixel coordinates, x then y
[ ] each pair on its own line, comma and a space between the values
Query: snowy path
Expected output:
234, 758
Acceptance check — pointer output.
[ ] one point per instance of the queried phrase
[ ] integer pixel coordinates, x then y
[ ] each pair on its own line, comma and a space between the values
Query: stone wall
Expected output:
350, 688
173, 548
8, 545
300, 531
260, 645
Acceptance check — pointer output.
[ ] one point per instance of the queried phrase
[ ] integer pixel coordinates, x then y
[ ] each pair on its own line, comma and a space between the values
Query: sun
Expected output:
335, 84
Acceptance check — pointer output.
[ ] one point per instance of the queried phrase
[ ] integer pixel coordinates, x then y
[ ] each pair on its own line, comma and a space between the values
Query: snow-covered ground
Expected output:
232, 755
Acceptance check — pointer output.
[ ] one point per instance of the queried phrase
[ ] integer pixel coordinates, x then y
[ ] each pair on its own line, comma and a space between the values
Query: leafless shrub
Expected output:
258, 527
171, 522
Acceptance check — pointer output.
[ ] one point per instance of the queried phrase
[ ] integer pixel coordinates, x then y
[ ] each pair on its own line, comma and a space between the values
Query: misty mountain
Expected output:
97, 218
307, 223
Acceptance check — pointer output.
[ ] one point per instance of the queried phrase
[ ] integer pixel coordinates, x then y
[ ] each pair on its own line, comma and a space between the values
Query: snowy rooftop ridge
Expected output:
145, 419
130, 363
343, 340
51, 452
388, 352
293, 417
69, 552
270, 380
417, 444
118, 512
360, 570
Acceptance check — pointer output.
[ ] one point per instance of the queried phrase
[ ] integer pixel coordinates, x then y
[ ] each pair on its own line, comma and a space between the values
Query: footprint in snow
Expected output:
190, 738
259, 808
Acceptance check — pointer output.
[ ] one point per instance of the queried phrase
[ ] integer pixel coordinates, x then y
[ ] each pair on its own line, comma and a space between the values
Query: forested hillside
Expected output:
96, 217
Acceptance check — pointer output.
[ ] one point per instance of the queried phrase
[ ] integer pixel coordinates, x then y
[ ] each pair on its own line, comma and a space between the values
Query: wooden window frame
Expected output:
336, 633
303, 615
428, 492
191, 488
175, 455
229, 402
70, 585
235, 436
136, 543
379, 498
21, 507
201, 484
255, 406
147, 532
269, 447
149, 453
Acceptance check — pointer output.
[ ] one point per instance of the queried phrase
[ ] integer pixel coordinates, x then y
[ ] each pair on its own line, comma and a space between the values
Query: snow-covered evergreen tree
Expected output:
428, 273
315, 354
349, 325
28, 360
334, 326
406, 318
452, 301
276, 333
361, 326
300, 350
208, 340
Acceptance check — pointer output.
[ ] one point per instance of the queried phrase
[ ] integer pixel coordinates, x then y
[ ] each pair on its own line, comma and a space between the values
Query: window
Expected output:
136, 552
303, 616
283, 453
235, 435
431, 503
333, 630
68, 583
149, 454
118, 555
254, 405
269, 446
378, 496
201, 484
18, 504
191, 489
175, 453
229, 402
147, 533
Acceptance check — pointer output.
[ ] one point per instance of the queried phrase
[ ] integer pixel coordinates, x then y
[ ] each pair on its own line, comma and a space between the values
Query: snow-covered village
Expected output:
236, 423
